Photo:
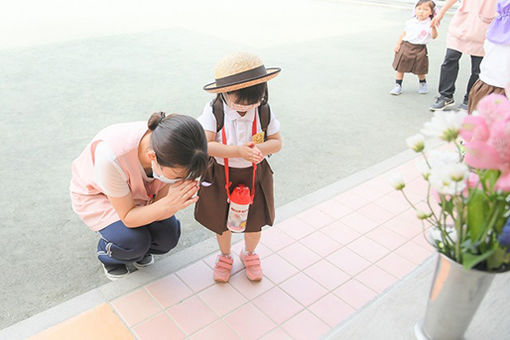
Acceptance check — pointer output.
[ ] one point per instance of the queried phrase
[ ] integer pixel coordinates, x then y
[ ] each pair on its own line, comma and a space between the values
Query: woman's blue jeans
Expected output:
121, 245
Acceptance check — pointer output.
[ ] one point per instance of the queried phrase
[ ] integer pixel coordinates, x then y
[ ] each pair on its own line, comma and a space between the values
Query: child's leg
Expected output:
224, 241
398, 84
251, 240
224, 262
423, 87
251, 260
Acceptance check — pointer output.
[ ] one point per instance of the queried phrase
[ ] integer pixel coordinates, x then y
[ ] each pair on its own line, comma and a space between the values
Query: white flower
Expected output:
442, 182
397, 181
442, 158
436, 235
422, 215
444, 125
459, 172
416, 143
423, 168
444, 165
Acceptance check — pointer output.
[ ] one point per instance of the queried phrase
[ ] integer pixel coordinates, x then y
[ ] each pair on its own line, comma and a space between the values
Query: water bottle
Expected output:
240, 201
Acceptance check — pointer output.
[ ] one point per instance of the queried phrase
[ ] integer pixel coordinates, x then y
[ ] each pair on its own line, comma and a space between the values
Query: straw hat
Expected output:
239, 71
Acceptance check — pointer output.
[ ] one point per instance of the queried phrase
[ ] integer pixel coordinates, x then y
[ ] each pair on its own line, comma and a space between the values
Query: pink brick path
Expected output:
321, 266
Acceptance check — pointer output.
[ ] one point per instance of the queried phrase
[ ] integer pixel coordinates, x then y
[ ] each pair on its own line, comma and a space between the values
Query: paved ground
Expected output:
393, 315
60, 86
321, 266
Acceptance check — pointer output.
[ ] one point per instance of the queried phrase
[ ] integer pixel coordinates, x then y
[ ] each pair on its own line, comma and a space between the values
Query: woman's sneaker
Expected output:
146, 261
396, 90
462, 107
442, 103
115, 271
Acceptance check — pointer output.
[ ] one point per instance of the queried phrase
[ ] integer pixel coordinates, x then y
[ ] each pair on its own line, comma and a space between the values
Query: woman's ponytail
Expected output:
155, 120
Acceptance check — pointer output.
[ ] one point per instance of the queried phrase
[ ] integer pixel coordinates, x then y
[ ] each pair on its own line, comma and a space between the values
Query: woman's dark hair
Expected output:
179, 141
251, 95
431, 3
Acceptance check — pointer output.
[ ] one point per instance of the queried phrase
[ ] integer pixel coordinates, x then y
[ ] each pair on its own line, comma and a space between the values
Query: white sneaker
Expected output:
423, 88
396, 90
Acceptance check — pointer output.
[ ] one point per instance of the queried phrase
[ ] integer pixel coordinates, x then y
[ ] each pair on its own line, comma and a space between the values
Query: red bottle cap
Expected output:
241, 195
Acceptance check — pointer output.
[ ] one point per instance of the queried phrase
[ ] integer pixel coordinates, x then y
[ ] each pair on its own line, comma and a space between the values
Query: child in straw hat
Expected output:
241, 131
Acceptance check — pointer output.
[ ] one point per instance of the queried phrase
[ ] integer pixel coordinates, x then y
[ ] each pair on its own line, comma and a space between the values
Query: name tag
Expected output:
258, 138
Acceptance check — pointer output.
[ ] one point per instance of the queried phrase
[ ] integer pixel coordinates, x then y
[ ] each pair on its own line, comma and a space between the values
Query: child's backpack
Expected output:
264, 115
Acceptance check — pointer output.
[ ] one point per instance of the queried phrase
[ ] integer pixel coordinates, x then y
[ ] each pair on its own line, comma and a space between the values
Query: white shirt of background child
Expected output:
237, 129
495, 66
418, 32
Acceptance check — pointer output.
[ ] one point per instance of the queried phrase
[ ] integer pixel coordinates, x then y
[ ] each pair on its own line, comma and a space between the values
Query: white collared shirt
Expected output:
238, 129
418, 32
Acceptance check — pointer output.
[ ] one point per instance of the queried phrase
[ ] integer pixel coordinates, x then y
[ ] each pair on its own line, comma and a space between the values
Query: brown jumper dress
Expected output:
480, 90
411, 58
211, 210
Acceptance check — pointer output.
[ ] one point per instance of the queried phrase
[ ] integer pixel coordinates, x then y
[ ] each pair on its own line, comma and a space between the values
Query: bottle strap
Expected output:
227, 178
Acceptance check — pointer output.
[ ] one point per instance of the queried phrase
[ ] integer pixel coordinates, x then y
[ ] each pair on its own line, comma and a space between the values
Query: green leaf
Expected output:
490, 177
499, 257
470, 246
477, 218
470, 260
448, 206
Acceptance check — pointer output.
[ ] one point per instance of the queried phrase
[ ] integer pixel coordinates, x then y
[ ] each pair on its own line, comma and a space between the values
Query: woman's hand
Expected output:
179, 196
436, 21
250, 152
397, 48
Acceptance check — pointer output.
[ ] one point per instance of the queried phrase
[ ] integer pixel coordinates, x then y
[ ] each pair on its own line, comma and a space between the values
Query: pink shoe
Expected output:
222, 268
252, 264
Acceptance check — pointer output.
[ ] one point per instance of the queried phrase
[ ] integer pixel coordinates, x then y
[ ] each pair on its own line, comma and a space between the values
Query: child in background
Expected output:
241, 131
411, 50
495, 65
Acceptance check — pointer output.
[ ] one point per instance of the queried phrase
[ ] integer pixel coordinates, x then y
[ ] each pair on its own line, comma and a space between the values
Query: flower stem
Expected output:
407, 199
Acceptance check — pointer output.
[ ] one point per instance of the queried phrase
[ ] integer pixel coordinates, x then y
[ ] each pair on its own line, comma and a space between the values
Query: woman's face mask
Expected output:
157, 173
238, 107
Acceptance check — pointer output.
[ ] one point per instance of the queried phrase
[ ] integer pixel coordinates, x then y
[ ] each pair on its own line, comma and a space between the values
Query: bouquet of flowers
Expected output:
470, 186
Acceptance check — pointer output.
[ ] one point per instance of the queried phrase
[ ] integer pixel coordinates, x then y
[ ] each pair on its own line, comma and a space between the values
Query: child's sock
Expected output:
245, 252
423, 80
399, 81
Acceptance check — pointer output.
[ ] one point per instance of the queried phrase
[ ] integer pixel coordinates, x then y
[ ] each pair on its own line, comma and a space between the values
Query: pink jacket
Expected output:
469, 26
87, 200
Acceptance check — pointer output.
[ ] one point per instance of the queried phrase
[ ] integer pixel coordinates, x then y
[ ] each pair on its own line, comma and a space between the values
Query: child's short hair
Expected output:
251, 95
432, 5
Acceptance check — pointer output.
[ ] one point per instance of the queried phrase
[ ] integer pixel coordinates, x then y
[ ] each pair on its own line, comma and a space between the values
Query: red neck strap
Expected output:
224, 140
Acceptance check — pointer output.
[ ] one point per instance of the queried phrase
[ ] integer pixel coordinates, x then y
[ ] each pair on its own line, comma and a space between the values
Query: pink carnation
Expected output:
494, 107
488, 138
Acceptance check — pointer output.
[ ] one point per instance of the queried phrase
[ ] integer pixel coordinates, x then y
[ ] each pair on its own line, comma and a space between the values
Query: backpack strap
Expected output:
265, 118
217, 109
264, 115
